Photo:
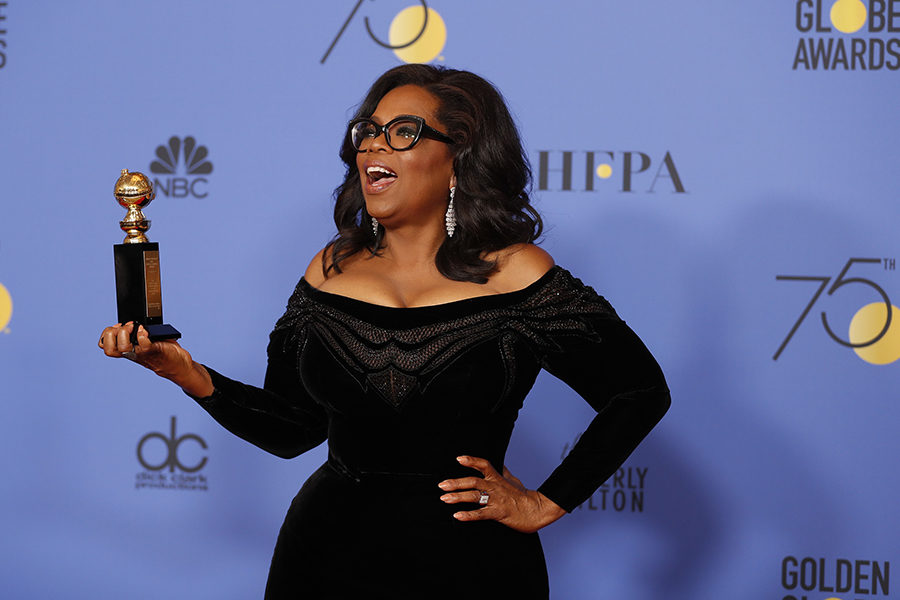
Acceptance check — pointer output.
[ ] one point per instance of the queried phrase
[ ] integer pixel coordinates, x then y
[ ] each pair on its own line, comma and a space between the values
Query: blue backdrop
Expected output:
715, 169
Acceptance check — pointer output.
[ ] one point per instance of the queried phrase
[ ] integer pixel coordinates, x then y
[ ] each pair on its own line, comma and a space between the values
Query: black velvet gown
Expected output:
399, 393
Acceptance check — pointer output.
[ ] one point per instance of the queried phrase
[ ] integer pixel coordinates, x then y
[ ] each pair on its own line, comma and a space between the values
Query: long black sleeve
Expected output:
281, 417
609, 366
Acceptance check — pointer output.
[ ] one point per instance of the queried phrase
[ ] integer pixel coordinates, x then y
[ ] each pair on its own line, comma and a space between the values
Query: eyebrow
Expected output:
372, 117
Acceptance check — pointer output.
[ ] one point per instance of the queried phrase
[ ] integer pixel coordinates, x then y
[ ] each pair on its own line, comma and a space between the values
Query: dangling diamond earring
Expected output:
374, 226
450, 217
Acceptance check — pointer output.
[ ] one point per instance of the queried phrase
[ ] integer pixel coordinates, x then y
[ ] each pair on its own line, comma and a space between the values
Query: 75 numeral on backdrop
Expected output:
840, 282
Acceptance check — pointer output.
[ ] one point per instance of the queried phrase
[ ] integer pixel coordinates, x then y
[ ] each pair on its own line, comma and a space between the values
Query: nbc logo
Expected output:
185, 156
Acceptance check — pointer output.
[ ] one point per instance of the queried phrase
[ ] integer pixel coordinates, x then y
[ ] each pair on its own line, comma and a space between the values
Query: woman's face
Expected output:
409, 187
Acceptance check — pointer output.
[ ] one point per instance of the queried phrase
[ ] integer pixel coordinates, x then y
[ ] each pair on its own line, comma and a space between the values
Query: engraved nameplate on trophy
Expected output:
138, 287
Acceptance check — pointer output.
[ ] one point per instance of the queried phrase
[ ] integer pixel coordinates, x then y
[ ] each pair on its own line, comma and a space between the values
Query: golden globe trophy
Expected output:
138, 289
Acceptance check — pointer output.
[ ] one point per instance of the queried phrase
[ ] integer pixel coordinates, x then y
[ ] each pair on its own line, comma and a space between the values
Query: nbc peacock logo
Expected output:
181, 164
417, 34
6, 307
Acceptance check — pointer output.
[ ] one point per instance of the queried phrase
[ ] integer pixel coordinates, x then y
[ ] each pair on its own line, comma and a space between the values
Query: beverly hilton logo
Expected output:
184, 163
623, 492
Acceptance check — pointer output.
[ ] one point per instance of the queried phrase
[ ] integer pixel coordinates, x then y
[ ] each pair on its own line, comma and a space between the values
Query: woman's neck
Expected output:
412, 248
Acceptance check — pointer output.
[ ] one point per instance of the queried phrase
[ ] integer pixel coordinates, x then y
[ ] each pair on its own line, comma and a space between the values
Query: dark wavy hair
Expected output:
493, 176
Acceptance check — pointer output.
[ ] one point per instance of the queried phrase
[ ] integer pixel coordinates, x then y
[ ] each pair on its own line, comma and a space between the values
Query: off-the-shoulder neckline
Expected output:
499, 299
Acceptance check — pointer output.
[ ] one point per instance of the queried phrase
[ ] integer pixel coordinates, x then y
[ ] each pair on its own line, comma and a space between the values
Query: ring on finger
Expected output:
483, 498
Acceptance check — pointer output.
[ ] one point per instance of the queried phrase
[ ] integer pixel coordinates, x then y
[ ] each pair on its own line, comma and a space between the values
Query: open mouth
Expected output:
378, 177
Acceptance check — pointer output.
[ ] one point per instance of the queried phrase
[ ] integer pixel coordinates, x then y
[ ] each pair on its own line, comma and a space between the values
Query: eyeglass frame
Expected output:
424, 130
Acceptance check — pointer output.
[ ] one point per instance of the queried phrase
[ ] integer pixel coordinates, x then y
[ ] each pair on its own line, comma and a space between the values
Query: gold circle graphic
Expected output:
5, 307
848, 16
407, 25
866, 323
604, 171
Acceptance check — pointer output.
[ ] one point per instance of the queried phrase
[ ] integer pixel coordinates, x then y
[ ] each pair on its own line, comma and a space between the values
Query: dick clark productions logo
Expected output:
162, 459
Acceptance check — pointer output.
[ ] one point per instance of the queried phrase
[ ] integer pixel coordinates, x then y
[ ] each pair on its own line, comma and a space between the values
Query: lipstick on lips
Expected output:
378, 177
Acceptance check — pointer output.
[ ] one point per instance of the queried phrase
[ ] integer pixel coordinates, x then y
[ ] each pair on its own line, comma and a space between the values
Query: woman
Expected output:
410, 344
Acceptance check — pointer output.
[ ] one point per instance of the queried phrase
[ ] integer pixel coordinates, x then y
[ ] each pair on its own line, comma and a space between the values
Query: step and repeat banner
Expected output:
726, 174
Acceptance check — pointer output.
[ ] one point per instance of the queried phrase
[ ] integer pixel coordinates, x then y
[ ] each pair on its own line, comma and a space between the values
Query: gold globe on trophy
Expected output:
138, 286
134, 191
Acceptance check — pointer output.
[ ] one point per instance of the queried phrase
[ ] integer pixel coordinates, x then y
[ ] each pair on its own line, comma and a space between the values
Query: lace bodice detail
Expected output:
399, 351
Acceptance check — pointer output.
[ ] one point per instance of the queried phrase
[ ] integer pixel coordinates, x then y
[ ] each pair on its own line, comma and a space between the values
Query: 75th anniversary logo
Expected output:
874, 330
417, 34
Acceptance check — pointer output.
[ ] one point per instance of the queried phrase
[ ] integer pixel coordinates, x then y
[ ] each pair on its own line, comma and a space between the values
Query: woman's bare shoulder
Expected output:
519, 265
314, 275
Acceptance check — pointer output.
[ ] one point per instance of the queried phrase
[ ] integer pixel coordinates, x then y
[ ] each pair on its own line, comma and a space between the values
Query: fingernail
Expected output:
461, 459
444, 485
457, 516
445, 497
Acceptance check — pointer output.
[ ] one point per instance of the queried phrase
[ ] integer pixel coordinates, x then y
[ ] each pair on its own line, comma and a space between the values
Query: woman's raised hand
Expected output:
504, 498
166, 358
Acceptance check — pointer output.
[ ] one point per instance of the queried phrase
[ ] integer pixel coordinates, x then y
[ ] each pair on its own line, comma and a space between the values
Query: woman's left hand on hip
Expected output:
503, 498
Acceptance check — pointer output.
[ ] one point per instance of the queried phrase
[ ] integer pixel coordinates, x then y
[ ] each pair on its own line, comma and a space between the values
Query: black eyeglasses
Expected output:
401, 133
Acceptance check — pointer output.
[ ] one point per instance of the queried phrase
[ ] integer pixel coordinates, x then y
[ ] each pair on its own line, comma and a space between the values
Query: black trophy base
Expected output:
162, 332
138, 290
157, 333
